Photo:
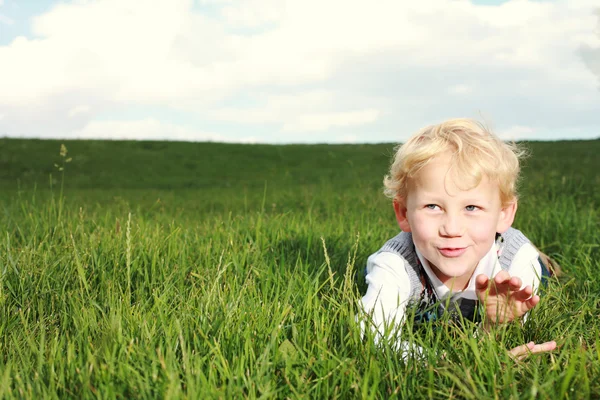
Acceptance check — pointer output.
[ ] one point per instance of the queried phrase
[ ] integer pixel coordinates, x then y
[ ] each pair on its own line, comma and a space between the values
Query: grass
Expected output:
233, 271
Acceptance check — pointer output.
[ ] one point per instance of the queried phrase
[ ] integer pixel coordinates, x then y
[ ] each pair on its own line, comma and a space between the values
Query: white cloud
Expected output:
460, 89
517, 132
81, 109
323, 121
278, 108
590, 53
149, 129
253, 13
300, 66
348, 139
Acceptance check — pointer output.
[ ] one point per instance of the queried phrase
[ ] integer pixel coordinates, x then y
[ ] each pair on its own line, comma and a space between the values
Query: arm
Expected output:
511, 294
387, 294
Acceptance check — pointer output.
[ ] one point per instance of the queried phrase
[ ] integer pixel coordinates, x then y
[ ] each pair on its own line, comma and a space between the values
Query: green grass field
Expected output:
179, 270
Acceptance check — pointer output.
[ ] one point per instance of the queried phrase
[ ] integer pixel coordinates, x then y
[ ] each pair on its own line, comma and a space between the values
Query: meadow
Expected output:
206, 270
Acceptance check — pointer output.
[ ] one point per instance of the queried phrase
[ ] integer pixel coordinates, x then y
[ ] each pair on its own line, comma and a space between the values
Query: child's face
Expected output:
452, 228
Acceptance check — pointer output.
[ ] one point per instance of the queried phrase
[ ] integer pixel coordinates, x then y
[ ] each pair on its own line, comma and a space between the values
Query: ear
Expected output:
401, 217
507, 216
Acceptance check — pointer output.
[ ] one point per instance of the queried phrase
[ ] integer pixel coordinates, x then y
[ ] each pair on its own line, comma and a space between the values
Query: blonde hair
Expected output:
476, 152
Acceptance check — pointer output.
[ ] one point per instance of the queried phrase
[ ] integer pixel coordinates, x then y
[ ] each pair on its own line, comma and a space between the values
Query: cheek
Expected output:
483, 231
422, 228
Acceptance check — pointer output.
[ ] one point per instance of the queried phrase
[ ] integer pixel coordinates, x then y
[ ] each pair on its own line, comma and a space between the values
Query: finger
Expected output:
482, 282
544, 347
523, 306
523, 294
521, 352
501, 283
515, 283
501, 277
529, 304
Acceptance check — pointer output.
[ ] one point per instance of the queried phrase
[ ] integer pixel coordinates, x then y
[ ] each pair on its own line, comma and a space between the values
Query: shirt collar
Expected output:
488, 265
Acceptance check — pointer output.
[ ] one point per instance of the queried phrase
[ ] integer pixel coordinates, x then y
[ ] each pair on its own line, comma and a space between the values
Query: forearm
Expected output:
387, 294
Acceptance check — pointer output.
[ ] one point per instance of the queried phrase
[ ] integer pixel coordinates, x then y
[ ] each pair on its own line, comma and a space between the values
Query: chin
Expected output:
456, 272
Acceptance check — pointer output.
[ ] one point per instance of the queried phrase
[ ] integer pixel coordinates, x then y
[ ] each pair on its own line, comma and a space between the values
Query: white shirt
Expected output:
389, 286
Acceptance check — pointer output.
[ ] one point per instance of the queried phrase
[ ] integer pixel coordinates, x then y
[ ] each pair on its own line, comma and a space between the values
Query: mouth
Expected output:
452, 252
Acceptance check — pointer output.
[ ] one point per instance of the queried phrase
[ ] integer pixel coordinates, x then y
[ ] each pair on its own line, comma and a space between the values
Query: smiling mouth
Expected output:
452, 252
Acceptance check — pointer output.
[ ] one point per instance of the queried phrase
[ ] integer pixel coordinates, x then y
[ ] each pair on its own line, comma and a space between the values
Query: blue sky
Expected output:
283, 71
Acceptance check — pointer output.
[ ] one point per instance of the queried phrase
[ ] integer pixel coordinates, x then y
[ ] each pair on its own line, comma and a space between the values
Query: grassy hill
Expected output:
155, 269
179, 165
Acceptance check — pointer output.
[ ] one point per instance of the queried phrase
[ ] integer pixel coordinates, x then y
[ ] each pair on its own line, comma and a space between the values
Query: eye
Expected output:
471, 208
432, 206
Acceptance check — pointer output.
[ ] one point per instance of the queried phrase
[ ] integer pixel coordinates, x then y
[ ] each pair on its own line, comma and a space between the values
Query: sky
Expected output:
297, 71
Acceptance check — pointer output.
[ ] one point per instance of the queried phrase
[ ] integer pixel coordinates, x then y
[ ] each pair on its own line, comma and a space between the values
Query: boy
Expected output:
453, 190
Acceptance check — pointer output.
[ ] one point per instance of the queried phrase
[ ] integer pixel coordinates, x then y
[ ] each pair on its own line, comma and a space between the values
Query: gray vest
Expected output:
422, 294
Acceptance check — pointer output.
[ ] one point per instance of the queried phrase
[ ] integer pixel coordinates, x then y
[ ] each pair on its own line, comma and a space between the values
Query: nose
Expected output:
452, 226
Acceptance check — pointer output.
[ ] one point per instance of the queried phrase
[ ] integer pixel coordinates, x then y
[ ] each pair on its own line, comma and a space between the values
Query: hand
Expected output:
519, 353
503, 298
